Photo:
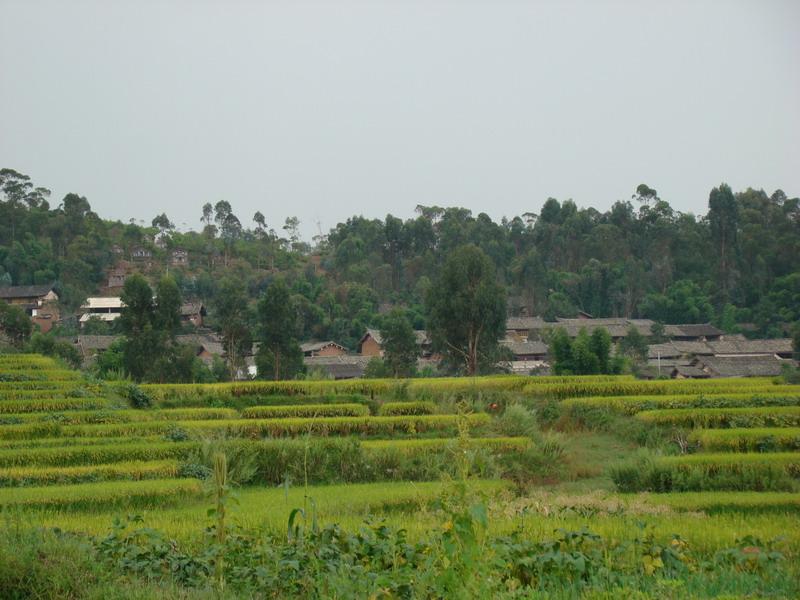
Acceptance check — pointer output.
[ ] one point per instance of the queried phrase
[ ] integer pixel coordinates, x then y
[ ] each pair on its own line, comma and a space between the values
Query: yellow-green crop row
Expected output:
764, 439
67, 442
419, 445
131, 470
78, 417
155, 493
715, 502
764, 416
26, 361
571, 389
64, 456
75, 392
407, 408
155, 449
51, 404
160, 392
369, 387
8, 387
630, 405
714, 461
778, 472
305, 410
252, 428
18, 376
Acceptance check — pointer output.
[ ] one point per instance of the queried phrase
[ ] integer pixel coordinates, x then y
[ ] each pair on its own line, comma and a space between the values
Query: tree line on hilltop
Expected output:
736, 266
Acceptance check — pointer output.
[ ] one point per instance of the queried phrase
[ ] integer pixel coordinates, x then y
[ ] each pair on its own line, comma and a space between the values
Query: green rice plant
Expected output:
724, 502
132, 470
163, 392
64, 456
11, 376
120, 416
26, 361
764, 439
305, 410
252, 428
406, 408
777, 416
21, 395
156, 494
369, 387
504, 444
711, 472
67, 442
753, 385
34, 405
629, 405
10, 386
241, 402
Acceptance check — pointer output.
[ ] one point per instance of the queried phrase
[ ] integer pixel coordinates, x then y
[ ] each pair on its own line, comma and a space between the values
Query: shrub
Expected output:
516, 420
137, 397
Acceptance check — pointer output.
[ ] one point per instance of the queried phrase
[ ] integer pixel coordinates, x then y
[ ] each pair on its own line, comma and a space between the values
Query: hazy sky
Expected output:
325, 110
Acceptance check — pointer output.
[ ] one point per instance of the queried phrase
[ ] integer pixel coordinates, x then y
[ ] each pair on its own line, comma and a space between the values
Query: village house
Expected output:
344, 366
371, 343
117, 277
90, 346
40, 302
140, 253
521, 328
193, 313
328, 348
206, 346
536, 328
106, 309
179, 257
765, 365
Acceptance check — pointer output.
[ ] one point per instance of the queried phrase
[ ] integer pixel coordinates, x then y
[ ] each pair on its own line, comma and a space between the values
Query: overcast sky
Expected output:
338, 108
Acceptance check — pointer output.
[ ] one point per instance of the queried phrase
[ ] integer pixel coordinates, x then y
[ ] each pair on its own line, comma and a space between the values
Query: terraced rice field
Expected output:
75, 454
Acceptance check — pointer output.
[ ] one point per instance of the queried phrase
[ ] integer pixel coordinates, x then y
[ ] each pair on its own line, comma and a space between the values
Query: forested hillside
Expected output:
737, 264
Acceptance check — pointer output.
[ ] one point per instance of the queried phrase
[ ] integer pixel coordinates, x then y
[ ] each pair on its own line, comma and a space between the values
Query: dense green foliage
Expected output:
739, 263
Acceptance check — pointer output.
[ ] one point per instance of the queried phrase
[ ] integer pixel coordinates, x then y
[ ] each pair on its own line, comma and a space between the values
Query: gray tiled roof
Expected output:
743, 346
24, 291
525, 348
525, 323
744, 366
315, 346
